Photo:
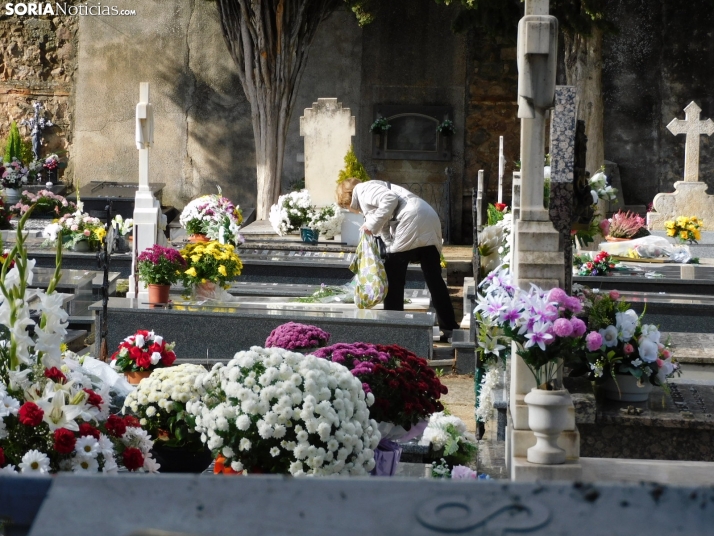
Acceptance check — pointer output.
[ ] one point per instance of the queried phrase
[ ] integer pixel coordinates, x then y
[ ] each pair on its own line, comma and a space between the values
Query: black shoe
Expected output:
445, 335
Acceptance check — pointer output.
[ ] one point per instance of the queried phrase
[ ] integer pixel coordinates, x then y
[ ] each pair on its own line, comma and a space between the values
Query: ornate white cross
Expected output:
693, 128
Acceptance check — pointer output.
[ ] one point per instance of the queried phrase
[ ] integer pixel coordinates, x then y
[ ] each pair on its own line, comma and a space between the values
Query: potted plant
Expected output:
448, 439
543, 329
378, 127
294, 433
47, 204
291, 212
685, 229
601, 264
139, 354
80, 232
159, 268
212, 217
159, 403
210, 266
446, 128
624, 226
124, 229
297, 337
620, 353
13, 177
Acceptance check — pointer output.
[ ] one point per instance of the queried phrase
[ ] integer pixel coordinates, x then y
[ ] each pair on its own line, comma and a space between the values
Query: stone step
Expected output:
524, 471
695, 348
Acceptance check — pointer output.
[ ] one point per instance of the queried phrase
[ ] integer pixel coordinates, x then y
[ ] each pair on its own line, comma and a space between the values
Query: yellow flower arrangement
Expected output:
210, 261
685, 229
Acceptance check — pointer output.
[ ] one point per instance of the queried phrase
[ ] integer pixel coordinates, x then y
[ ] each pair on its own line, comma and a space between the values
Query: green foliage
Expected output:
353, 168
13, 145
26, 154
546, 192
493, 215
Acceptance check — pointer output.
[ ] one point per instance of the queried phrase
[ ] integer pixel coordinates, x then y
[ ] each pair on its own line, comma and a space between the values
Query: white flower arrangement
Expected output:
123, 226
160, 404
215, 216
295, 210
600, 189
283, 412
484, 404
448, 433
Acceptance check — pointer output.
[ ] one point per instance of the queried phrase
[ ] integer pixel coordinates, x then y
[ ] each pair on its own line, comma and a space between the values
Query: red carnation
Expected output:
55, 375
2, 457
94, 399
133, 459
86, 429
64, 441
131, 422
168, 359
30, 414
116, 426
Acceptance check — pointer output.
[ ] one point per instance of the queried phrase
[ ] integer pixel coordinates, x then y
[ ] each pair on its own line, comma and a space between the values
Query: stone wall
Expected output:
491, 112
38, 61
661, 59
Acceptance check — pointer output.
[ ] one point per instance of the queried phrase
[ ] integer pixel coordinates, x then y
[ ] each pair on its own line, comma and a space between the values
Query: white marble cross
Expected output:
693, 127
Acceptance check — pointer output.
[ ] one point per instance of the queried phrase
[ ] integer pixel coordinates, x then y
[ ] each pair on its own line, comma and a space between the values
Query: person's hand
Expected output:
365, 229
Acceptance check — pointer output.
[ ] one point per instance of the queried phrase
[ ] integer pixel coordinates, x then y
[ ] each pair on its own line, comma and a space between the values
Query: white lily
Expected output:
58, 414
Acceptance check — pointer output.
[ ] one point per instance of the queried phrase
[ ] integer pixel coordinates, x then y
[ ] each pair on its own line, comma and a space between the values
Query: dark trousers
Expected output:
428, 257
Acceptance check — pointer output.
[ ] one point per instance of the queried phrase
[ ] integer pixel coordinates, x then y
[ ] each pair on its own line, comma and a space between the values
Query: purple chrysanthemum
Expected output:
295, 336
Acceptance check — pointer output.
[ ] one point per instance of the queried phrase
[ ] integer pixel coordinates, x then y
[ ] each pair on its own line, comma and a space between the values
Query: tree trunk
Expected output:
269, 41
583, 69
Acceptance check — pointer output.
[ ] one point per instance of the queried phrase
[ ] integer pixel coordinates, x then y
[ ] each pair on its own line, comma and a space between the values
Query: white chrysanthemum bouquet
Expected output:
295, 210
160, 402
448, 436
274, 411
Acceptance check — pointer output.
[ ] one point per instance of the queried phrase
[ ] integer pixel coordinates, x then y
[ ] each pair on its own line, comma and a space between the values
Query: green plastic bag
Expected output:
371, 287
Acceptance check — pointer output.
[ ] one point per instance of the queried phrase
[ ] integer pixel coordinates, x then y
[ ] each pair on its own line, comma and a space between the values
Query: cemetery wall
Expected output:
38, 61
661, 59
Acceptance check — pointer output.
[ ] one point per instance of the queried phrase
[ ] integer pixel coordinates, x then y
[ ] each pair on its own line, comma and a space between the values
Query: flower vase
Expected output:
158, 294
547, 418
198, 237
181, 460
625, 389
135, 377
309, 236
11, 196
82, 246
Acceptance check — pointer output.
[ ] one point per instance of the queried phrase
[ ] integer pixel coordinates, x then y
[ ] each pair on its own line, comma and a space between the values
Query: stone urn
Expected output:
11, 196
547, 418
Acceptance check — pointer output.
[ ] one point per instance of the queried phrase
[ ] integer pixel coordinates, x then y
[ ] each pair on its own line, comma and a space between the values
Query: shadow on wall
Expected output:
220, 150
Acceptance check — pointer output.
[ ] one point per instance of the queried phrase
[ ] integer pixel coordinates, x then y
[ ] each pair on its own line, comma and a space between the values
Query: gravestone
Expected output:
328, 129
690, 197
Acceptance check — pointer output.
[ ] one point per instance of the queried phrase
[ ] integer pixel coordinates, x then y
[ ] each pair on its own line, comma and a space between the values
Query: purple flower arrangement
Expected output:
160, 266
296, 337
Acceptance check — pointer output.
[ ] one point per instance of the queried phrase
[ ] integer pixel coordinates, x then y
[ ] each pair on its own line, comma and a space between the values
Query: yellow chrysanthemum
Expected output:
222, 271
195, 258
100, 233
191, 271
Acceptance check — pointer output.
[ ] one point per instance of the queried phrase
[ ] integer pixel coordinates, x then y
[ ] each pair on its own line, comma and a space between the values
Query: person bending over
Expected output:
411, 230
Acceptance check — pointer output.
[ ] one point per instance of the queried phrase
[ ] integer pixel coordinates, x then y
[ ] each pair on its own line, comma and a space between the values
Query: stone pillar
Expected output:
538, 257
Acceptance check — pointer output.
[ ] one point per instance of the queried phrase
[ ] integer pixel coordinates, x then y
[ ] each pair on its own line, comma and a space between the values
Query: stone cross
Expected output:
693, 127
328, 129
147, 209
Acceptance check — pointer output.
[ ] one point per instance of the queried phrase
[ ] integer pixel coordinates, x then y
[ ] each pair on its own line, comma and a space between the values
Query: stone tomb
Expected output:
95, 195
218, 331
693, 279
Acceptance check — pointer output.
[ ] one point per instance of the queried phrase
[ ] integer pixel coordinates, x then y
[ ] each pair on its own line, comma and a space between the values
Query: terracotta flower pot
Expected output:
134, 377
195, 238
613, 239
159, 294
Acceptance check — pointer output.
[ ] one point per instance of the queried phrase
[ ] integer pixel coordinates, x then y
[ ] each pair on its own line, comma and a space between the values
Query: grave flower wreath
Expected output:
406, 391
145, 350
53, 418
214, 216
296, 337
270, 410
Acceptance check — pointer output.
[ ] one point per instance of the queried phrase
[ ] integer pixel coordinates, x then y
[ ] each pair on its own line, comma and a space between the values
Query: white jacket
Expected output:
404, 220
